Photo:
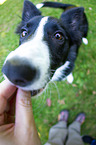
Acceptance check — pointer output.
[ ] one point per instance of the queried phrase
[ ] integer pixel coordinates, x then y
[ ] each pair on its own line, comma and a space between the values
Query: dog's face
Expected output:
40, 53
44, 47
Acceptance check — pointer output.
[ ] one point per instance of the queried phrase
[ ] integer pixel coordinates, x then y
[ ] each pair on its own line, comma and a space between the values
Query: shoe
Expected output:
87, 139
80, 118
63, 115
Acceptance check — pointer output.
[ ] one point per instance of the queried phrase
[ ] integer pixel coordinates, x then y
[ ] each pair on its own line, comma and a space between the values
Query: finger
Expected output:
6, 127
25, 128
6, 130
24, 114
6, 90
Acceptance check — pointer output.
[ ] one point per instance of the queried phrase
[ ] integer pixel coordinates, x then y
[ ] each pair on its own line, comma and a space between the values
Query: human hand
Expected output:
23, 131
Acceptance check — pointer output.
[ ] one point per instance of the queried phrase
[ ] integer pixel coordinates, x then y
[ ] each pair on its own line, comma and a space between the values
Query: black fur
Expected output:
74, 21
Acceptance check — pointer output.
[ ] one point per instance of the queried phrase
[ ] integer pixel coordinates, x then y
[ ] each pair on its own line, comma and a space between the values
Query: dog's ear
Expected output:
29, 11
73, 20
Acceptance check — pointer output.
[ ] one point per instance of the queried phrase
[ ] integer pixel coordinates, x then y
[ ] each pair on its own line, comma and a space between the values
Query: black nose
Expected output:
19, 72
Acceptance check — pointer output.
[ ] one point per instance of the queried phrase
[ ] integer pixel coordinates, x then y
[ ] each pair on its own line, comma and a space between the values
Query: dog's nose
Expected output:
19, 72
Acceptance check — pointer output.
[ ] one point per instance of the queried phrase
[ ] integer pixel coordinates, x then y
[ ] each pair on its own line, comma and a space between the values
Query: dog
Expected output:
48, 46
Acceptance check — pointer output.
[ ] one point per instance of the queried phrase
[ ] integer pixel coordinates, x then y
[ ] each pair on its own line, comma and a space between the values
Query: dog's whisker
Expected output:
56, 89
46, 94
19, 16
53, 82
53, 70
40, 105
52, 73
43, 101
50, 93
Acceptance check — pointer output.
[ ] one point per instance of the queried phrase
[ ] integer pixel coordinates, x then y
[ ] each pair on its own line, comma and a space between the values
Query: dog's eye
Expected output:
58, 36
24, 33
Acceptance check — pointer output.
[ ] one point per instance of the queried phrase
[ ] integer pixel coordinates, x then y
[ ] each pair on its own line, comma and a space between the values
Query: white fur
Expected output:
58, 72
47, 144
38, 6
70, 78
85, 41
36, 52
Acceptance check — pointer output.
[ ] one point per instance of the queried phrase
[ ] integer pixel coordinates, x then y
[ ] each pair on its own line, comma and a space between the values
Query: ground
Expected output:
78, 96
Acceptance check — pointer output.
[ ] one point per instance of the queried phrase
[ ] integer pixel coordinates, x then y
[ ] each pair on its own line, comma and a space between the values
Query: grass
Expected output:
81, 95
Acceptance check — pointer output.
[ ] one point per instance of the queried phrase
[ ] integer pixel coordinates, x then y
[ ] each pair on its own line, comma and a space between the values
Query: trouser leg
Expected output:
74, 137
57, 134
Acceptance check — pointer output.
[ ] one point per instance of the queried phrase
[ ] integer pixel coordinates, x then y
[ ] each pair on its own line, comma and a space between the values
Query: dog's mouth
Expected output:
36, 92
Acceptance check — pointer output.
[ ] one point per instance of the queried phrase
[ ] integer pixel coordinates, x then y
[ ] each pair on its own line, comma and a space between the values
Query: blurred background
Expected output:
78, 96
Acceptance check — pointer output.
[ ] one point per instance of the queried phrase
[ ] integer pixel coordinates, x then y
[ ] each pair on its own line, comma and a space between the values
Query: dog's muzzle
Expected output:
28, 69
20, 74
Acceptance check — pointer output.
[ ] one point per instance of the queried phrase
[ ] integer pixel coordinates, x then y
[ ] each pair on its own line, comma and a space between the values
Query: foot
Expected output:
63, 115
80, 118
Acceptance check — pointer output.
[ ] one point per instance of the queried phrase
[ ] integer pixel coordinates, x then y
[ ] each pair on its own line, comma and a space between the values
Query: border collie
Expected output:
48, 46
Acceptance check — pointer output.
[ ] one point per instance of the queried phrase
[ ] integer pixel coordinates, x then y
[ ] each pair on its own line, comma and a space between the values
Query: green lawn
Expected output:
77, 97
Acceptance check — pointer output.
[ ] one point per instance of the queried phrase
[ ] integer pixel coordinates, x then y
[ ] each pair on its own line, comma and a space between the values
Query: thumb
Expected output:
24, 114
